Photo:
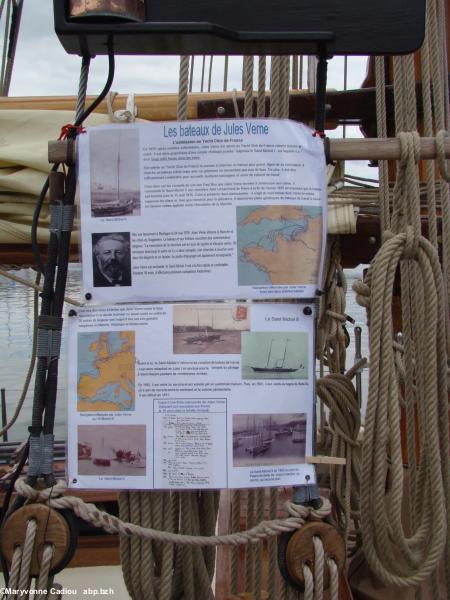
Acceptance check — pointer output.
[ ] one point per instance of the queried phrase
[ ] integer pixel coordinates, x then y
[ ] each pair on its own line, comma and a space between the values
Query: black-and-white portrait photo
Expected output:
111, 259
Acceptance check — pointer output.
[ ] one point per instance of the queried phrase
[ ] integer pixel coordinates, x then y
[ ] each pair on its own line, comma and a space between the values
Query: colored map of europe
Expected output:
106, 371
278, 245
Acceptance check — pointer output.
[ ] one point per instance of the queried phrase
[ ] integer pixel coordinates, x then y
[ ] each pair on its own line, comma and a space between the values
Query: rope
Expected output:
442, 160
111, 524
44, 572
275, 84
309, 583
32, 363
249, 554
337, 392
273, 549
82, 87
380, 91
396, 558
428, 131
248, 86
11, 45
225, 74
235, 104
319, 563
314, 584
191, 73
15, 568
19, 576
183, 88
34, 286
261, 100
331, 333
5, 48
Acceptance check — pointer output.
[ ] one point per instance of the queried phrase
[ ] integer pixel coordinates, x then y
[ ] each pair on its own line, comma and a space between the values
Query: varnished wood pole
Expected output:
340, 149
153, 107
380, 149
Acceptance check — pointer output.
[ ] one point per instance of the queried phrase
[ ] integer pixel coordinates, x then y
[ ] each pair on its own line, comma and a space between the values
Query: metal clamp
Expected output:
48, 344
61, 218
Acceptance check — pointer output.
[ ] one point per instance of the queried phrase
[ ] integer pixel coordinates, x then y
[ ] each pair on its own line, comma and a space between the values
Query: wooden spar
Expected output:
340, 149
153, 107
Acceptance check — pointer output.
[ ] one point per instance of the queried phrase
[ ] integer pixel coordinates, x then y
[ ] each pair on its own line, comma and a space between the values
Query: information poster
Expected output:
202, 210
191, 396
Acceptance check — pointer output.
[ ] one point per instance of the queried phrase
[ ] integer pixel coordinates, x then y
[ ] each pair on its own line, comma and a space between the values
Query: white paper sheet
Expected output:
202, 210
191, 396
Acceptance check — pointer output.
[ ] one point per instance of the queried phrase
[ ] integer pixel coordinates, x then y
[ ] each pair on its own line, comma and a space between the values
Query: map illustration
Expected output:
106, 379
279, 245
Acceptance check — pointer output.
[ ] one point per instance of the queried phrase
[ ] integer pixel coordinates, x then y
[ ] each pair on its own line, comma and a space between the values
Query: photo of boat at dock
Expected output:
115, 185
112, 450
269, 439
274, 355
209, 328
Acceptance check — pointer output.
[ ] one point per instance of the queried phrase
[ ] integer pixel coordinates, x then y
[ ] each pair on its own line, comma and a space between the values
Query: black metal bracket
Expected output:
253, 27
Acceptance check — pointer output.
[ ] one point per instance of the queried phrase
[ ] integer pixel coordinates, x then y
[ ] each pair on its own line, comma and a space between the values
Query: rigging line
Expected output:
5, 47
31, 364
40, 201
203, 73
44, 403
191, 73
82, 88
34, 286
225, 74
2, 5
17, 503
63, 251
210, 72
13, 37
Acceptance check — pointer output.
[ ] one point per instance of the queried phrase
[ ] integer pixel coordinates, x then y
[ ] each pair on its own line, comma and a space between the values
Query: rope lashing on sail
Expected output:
90, 513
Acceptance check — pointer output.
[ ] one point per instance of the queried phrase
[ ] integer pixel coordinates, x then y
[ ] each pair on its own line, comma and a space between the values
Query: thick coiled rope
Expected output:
396, 557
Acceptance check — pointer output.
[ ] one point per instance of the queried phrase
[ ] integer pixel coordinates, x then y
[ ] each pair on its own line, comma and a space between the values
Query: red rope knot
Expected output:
317, 133
66, 129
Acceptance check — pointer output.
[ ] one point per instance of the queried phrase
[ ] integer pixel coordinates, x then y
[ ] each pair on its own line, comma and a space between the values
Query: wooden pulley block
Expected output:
53, 527
300, 550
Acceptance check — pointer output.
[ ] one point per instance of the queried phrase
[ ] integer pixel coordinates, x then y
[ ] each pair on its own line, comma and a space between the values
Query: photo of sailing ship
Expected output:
112, 450
115, 177
269, 439
274, 355
209, 328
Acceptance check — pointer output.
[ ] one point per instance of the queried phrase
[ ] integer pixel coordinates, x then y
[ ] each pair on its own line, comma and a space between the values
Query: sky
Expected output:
43, 68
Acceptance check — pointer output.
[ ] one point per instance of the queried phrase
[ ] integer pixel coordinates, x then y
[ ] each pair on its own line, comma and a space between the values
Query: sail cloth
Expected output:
24, 167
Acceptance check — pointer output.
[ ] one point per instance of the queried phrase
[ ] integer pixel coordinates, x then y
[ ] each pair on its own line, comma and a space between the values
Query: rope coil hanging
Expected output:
398, 557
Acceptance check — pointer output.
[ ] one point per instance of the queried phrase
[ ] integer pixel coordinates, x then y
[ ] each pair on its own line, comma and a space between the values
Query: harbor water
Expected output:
16, 333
